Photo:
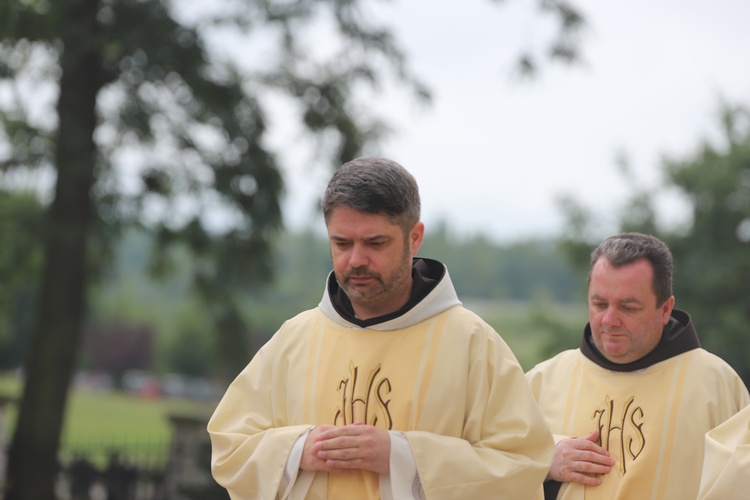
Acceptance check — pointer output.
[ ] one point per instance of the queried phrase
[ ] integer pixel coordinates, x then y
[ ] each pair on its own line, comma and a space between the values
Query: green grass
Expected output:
100, 423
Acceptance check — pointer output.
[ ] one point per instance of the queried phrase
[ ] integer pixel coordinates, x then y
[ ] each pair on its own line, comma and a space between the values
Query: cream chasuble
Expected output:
651, 421
448, 383
726, 465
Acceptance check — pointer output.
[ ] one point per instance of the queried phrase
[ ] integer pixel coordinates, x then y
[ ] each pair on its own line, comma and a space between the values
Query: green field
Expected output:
99, 423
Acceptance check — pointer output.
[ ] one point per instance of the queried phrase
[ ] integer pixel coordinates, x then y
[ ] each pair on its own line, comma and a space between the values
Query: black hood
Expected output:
678, 336
425, 273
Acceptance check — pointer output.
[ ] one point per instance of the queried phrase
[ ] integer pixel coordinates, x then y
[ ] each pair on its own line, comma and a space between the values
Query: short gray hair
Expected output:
626, 248
374, 186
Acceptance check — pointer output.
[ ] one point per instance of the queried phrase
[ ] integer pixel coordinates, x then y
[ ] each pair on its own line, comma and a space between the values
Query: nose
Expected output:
611, 317
358, 256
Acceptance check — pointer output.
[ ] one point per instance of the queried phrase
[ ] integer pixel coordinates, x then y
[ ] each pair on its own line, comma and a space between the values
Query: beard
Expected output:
382, 289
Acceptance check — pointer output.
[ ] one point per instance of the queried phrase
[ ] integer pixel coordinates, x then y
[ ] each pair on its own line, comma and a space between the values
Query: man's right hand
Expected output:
580, 460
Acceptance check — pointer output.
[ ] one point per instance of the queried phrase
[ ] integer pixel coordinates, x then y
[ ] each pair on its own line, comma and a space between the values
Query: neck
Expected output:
374, 310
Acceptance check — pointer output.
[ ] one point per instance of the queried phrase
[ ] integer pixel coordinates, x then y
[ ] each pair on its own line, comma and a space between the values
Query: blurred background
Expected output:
161, 164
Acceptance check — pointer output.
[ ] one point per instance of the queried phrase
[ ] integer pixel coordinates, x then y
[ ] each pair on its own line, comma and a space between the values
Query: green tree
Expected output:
712, 255
712, 251
519, 271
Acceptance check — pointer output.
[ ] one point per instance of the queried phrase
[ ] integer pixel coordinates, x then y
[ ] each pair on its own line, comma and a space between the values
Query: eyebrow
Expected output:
369, 238
626, 300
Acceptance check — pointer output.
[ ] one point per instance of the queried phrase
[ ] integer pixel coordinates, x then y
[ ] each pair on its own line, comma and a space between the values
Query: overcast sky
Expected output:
492, 155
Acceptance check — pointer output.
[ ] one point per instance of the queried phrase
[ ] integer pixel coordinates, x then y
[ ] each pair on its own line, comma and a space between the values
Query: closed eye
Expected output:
341, 243
629, 308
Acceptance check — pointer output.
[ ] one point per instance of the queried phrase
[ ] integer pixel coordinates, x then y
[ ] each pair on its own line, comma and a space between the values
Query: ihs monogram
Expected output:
628, 422
368, 404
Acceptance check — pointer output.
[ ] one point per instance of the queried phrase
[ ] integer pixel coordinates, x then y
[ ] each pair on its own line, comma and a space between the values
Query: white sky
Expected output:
492, 155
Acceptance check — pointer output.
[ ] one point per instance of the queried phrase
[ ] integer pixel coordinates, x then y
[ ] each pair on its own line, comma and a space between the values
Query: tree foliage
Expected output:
712, 250
712, 257
517, 271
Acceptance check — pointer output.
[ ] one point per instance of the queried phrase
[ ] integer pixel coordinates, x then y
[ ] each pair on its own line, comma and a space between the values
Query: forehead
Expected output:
631, 281
346, 222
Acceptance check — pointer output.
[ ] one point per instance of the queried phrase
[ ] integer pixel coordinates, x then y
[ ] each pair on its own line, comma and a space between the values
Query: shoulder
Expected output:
294, 330
462, 332
461, 322
701, 358
716, 377
304, 318
562, 361
461, 314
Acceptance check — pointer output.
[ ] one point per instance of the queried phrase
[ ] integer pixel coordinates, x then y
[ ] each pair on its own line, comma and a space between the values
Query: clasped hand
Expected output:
350, 447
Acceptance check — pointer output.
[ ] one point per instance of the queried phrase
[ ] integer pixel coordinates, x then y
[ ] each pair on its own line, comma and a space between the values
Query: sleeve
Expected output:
249, 451
505, 448
726, 465
535, 377
403, 481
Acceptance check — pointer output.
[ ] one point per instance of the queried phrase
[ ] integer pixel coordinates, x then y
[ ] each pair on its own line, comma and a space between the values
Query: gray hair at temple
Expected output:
626, 248
374, 186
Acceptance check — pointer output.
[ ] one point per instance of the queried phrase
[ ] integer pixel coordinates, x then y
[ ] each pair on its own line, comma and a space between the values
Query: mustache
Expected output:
360, 272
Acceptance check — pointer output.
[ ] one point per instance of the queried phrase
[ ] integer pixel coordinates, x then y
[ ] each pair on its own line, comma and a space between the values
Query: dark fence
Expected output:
136, 468
134, 450
126, 469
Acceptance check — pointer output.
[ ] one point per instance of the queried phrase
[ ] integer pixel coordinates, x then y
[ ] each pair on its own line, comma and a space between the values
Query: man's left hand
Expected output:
355, 446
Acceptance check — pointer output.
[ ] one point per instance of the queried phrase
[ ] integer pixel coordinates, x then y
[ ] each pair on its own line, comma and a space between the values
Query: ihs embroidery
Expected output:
627, 424
367, 404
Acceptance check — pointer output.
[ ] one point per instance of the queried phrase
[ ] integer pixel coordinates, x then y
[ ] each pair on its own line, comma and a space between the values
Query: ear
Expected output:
416, 237
666, 309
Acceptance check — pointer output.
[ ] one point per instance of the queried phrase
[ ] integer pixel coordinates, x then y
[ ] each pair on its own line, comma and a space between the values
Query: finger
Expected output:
577, 477
588, 446
595, 457
340, 467
337, 443
337, 432
363, 463
593, 437
592, 467
343, 454
319, 432
575, 451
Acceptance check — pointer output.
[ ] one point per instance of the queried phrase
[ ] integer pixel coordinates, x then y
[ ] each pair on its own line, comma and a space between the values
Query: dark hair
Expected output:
374, 186
626, 248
